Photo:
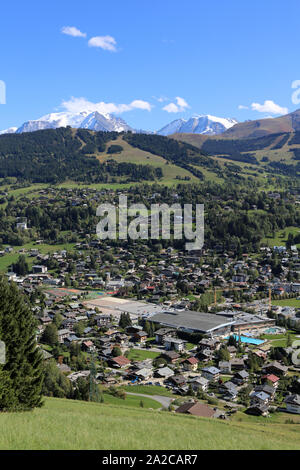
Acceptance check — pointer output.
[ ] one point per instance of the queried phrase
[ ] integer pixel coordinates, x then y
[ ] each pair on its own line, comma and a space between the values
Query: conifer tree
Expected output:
21, 377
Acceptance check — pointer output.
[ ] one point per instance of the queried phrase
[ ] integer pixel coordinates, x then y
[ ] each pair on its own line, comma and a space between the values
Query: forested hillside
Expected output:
55, 155
65, 154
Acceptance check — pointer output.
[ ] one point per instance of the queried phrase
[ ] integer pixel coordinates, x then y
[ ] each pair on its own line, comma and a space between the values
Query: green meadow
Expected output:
67, 424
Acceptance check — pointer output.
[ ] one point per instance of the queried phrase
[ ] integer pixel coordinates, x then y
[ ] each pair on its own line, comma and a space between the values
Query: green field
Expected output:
280, 340
281, 237
10, 258
67, 424
141, 354
287, 303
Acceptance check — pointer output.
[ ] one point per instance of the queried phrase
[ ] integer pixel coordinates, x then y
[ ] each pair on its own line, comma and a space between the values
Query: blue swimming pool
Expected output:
246, 339
272, 331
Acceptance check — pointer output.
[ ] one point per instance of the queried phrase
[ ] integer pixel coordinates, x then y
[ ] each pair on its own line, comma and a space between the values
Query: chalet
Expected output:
104, 341
237, 363
170, 356
240, 377
212, 374
62, 335
196, 409
209, 343
69, 323
164, 372
174, 343
293, 404
191, 363
260, 398
225, 367
178, 380
70, 339
162, 333
199, 383
119, 362
88, 346
121, 339
273, 379
269, 389
144, 373
229, 390
257, 410
140, 336
205, 355
45, 320
275, 368
261, 354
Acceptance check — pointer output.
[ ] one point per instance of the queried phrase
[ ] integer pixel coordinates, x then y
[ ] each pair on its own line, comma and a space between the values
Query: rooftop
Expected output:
193, 321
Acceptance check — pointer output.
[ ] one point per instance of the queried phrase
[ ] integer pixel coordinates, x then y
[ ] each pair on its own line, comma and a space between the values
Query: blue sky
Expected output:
226, 58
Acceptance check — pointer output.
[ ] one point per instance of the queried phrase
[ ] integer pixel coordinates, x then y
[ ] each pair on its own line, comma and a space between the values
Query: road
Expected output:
164, 401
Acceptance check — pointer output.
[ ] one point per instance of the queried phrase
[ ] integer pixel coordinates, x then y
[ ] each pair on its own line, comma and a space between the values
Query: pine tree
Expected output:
50, 335
22, 374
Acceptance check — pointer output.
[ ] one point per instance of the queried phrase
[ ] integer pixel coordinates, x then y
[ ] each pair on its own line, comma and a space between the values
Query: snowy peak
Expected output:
85, 119
100, 122
198, 124
95, 121
11, 130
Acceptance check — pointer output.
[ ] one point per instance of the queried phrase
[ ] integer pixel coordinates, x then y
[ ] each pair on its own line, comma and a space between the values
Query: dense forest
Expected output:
55, 155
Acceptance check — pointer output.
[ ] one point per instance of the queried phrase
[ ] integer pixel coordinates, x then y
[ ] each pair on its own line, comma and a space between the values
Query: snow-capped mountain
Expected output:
11, 130
85, 119
95, 121
198, 124
104, 122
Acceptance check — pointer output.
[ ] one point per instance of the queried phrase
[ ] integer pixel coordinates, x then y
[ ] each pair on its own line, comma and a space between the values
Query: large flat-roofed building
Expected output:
194, 322
248, 321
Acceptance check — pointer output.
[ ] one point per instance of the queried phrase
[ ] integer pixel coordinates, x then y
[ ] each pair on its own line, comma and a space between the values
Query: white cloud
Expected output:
108, 43
269, 107
140, 104
72, 31
241, 106
76, 105
181, 102
171, 108
178, 107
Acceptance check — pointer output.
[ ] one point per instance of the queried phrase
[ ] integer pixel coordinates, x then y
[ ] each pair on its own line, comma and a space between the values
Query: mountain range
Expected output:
86, 120
200, 126
95, 121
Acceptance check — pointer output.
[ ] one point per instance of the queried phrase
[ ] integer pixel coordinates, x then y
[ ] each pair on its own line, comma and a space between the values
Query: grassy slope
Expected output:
284, 154
137, 156
10, 258
66, 424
